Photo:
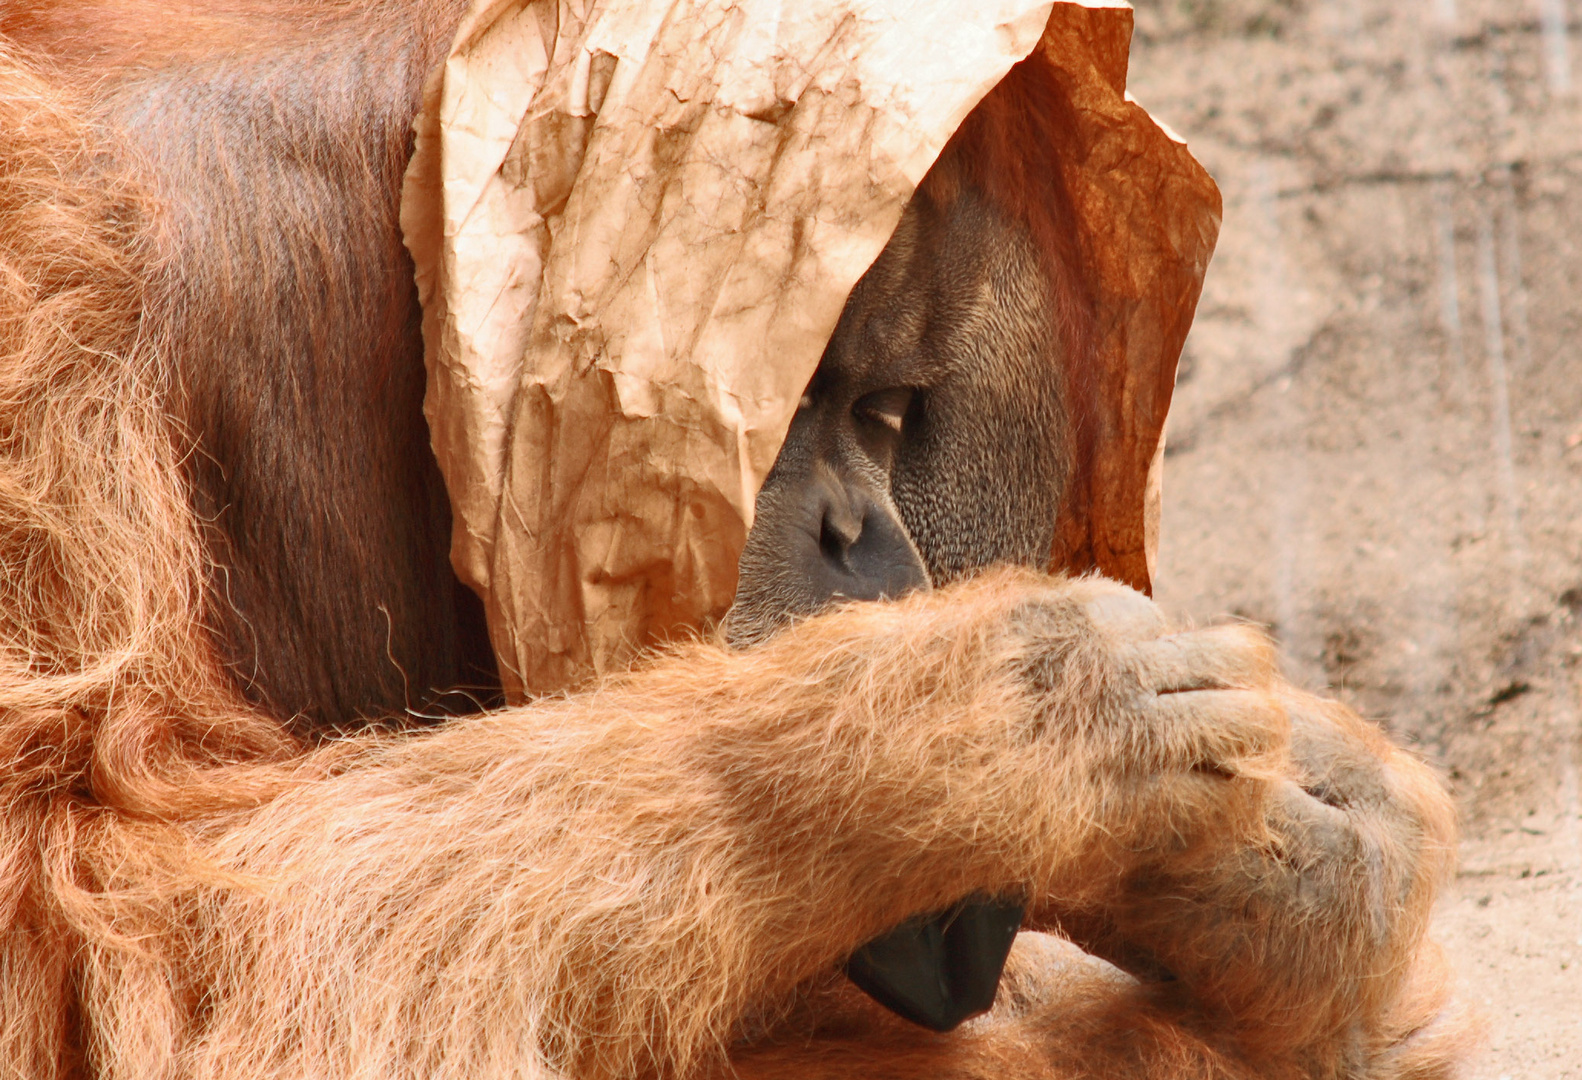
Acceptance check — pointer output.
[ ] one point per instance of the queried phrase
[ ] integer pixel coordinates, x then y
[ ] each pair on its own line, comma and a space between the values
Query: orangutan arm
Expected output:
613, 882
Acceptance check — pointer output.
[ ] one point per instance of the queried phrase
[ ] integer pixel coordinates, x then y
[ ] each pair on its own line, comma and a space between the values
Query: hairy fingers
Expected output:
1229, 732
1298, 936
1219, 657
1119, 613
1148, 700
1208, 693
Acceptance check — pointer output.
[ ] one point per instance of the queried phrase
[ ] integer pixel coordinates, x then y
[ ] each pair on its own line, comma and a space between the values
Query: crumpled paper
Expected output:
635, 223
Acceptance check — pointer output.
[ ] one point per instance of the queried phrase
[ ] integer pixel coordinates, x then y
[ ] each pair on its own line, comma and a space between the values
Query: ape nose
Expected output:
864, 546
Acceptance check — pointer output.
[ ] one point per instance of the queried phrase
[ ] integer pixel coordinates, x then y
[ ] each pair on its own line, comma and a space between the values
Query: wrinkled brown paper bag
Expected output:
635, 224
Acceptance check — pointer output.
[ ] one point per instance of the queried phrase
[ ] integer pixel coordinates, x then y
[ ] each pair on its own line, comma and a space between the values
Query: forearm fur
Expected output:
607, 883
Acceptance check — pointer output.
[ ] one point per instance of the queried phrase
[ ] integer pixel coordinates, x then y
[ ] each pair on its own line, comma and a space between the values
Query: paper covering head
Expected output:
635, 226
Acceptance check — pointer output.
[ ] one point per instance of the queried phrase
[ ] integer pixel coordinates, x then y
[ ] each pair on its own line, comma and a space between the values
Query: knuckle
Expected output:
1215, 658
1119, 612
1229, 725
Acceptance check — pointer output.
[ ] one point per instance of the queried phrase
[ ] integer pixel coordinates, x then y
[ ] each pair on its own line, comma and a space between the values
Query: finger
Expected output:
1219, 658
1299, 812
1123, 614
1227, 730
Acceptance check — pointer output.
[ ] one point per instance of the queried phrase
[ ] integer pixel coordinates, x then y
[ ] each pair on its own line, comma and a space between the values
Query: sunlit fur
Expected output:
114, 712
659, 877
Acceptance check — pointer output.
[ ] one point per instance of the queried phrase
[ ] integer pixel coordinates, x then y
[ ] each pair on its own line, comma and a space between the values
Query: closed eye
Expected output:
887, 407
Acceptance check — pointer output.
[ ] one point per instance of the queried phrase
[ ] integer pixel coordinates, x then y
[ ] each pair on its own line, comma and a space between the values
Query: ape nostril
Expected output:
833, 542
866, 550
829, 538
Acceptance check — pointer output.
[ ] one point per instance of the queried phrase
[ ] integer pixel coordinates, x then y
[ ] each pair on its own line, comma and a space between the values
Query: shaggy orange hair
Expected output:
658, 878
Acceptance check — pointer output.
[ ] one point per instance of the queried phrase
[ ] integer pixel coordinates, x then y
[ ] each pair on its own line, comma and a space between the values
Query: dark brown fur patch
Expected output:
273, 138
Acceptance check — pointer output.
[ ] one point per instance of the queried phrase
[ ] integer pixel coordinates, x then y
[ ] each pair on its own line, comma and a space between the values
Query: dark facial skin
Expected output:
931, 442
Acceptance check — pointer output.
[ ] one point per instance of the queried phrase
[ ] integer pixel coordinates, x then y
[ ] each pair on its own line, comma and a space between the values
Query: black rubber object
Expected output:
938, 970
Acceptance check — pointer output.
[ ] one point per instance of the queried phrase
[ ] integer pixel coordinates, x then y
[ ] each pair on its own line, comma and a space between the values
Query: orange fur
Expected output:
659, 877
